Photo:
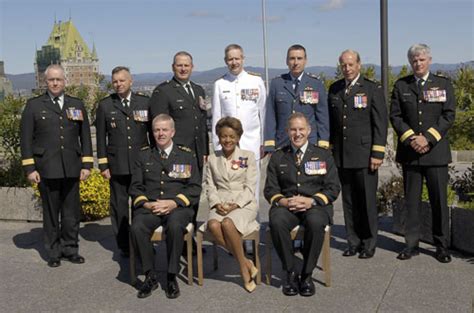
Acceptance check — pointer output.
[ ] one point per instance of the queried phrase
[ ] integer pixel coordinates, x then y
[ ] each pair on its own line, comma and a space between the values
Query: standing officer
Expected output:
165, 188
56, 153
358, 118
122, 130
183, 100
242, 95
301, 186
296, 91
422, 112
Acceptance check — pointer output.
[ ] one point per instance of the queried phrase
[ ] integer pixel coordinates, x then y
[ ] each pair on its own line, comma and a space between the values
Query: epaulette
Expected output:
312, 75
184, 148
283, 147
138, 93
370, 80
255, 74
441, 75
144, 148
221, 77
166, 82
72, 97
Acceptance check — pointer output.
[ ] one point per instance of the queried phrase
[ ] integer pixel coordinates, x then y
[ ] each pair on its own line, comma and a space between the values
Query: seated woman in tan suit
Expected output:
231, 180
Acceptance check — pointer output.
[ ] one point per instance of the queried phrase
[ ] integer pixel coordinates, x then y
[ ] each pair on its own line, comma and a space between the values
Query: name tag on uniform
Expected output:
434, 95
140, 115
74, 115
249, 94
309, 96
181, 171
315, 168
360, 101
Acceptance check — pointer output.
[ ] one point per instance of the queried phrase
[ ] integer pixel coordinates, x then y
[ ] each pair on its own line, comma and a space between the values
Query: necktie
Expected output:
189, 90
163, 154
297, 83
348, 89
56, 101
299, 157
420, 84
125, 103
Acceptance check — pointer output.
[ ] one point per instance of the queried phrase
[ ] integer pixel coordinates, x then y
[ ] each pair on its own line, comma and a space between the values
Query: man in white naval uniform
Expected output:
242, 95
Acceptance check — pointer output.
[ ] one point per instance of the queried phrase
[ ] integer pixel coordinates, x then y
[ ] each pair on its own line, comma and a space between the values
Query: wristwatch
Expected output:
314, 203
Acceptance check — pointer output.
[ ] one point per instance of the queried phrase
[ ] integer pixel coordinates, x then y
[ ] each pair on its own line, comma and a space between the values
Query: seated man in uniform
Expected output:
165, 186
301, 185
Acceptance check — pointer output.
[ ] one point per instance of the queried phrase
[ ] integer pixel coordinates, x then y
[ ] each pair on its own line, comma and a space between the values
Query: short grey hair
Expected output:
350, 51
54, 67
419, 48
297, 115
163, 118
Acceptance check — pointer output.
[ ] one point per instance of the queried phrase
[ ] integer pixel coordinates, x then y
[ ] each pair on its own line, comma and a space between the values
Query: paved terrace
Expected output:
380, 284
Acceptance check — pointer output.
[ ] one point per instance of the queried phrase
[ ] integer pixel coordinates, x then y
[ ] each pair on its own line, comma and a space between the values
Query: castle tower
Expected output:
66, 47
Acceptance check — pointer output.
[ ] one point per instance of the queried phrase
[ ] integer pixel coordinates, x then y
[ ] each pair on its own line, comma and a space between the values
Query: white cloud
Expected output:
332, 5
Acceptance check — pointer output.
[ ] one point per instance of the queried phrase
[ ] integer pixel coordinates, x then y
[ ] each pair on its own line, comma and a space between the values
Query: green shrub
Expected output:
94, 194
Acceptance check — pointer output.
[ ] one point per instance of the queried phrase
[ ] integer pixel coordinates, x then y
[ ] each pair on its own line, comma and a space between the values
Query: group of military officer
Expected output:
296, 124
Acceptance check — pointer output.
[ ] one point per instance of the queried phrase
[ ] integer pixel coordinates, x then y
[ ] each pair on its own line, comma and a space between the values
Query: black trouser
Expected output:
282, 221
195, 207
61, 215
437, 184
174, 226
359, 203
119, 207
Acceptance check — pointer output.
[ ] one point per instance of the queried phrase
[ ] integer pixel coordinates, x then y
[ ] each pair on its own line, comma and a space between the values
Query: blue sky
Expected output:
145, 34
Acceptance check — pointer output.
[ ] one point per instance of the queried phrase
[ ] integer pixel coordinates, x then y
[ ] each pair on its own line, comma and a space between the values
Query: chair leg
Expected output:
199, 240
327, 259
214, 250
189, 246
268, 272
256, 259
133, 274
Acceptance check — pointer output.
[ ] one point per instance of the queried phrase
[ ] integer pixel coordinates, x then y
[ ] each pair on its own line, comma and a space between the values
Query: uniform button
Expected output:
344, 127
129, 147
299, 173
345, 116
195, 117
161, 192
420, 123
294, 100
62, 137
197, 127
180, 107
147, 170
419, 112
419, 101
161, 182
129, 137
293, 111
62, 147
162, 172
345, 137
43, 117
128, 127
60, 117
60, 127
345, 105
298, 184
128, 118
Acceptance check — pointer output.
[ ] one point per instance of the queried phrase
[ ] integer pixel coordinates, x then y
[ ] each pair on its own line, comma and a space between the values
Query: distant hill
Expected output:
27, 80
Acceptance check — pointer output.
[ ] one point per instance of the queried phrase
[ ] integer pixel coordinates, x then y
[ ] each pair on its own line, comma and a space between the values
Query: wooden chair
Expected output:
157, 236
204, 235
297, 233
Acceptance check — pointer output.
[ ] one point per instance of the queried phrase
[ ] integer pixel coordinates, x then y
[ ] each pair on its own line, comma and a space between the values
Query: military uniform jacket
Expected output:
310, 99
55, 142
316, 177
430, 112
358, 122
121, 132
189, 115
242, 97
175, 178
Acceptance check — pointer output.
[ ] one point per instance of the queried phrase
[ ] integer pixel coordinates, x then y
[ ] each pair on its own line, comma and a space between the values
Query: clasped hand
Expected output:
420, 144
297, 203
225, 208
161, 207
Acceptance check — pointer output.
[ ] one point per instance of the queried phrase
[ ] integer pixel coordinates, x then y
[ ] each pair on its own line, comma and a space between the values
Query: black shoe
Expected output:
172, 290
54, 262
351, 251
442, 255
307, 286
366, 254
290, 288
150, 284
75, 258
407, 253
